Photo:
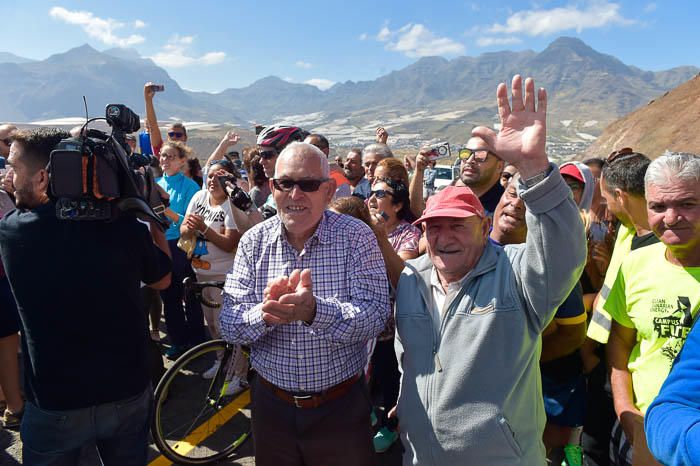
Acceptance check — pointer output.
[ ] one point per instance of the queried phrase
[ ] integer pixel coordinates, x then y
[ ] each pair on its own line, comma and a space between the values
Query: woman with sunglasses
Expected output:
210, 223
185, 327
389, 206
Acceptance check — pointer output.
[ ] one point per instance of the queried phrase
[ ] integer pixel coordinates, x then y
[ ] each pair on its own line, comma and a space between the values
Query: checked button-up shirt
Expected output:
352, 302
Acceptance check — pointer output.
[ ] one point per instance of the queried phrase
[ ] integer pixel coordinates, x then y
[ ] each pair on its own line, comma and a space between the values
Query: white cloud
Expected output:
95, 27
384, 34
415, 40
176, 54
363, 36
474, 6
303, 64
138, 24
490, 41
545, 22
651, 7
321, 83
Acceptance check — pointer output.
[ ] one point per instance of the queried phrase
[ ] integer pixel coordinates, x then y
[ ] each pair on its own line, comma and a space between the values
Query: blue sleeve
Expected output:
672, 422
190, 191
572, 305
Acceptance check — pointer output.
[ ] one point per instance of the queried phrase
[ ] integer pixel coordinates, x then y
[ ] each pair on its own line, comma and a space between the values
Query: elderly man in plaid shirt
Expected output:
307, 290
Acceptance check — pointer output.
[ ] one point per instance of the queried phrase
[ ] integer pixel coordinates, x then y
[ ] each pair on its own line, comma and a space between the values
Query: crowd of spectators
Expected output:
527, 313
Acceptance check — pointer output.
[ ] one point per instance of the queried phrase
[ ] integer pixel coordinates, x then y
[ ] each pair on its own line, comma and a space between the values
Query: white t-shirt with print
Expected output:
209, 259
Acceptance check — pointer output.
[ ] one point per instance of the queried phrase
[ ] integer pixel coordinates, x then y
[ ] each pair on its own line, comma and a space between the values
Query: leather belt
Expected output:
313, 400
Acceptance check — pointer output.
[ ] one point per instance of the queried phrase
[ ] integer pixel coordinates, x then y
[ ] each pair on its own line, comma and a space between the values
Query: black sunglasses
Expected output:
268, 154
480, 155
506, 175
308, 186
380, 193
175, 134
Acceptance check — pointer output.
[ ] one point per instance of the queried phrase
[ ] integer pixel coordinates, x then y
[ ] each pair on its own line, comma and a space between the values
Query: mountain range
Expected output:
433, 98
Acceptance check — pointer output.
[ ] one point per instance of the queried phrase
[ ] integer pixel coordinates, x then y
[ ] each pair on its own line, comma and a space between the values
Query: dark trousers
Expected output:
336, 433
385, 374
600, 416
119, 429
185, 326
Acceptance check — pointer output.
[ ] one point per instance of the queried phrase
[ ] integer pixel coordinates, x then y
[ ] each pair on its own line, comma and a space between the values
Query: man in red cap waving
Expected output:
469, 314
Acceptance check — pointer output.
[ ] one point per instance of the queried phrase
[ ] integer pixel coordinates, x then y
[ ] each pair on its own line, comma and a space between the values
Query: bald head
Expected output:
310, 155
480, 176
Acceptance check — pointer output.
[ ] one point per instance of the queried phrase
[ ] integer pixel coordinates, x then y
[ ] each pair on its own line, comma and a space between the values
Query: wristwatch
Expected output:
533, 180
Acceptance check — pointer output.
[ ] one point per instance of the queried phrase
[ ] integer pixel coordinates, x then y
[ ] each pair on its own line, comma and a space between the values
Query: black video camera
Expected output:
239, 198
94, 177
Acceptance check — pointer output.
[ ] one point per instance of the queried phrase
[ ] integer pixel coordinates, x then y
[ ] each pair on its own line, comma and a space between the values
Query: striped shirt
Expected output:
352, 302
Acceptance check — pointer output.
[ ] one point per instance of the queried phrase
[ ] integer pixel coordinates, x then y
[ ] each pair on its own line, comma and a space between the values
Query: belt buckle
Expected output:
299, 398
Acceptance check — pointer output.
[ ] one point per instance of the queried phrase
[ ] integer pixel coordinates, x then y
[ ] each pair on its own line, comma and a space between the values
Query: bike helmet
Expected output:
279, 136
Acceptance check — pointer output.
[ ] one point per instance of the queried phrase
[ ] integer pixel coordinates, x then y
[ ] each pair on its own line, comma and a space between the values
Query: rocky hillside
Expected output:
672, 121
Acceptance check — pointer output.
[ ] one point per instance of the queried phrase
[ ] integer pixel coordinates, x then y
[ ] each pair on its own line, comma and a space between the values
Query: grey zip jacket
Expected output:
470, 379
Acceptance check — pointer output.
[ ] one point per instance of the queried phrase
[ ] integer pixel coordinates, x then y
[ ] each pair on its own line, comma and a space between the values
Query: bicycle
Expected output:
195, 421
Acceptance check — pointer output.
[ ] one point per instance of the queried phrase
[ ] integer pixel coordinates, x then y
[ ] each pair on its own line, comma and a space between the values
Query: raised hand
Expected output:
230, 139
381, 135
148, 91
521, 140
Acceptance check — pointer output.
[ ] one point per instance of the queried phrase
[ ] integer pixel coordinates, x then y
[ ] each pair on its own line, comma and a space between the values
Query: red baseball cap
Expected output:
570, 169
453, 201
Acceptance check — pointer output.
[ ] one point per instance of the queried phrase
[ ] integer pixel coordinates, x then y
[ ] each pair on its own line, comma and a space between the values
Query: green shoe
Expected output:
384, 439
373, 418
174, 352
573, 455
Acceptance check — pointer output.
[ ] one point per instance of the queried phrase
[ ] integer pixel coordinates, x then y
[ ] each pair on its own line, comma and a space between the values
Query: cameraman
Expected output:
84, 332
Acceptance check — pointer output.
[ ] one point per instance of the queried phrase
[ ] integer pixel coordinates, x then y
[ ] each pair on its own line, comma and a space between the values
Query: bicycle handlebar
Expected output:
195, 288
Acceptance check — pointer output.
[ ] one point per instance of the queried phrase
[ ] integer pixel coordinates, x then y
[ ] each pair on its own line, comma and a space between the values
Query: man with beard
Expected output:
355, 173
480, 170
77, 287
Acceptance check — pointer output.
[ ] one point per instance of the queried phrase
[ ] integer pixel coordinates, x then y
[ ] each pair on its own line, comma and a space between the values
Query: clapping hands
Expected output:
289, 299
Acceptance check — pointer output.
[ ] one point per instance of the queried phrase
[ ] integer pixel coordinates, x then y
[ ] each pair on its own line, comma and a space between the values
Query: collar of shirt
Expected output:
322, 234
441, 298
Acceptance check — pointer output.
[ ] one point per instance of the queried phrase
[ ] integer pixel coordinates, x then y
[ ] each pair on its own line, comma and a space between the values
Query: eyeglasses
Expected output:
619, 154
268, 154
380, 193
506, 175
480, 155
175, 134
7, 141
308, 186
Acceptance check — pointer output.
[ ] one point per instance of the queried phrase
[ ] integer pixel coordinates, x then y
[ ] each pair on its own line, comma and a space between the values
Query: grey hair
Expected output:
304, 150
379, 149
673, 167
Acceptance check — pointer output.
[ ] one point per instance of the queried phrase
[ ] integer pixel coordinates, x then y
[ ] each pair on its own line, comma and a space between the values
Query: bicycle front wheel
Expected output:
197, 420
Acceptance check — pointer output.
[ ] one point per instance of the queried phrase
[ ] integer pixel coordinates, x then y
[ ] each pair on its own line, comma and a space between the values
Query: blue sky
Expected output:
211, 46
